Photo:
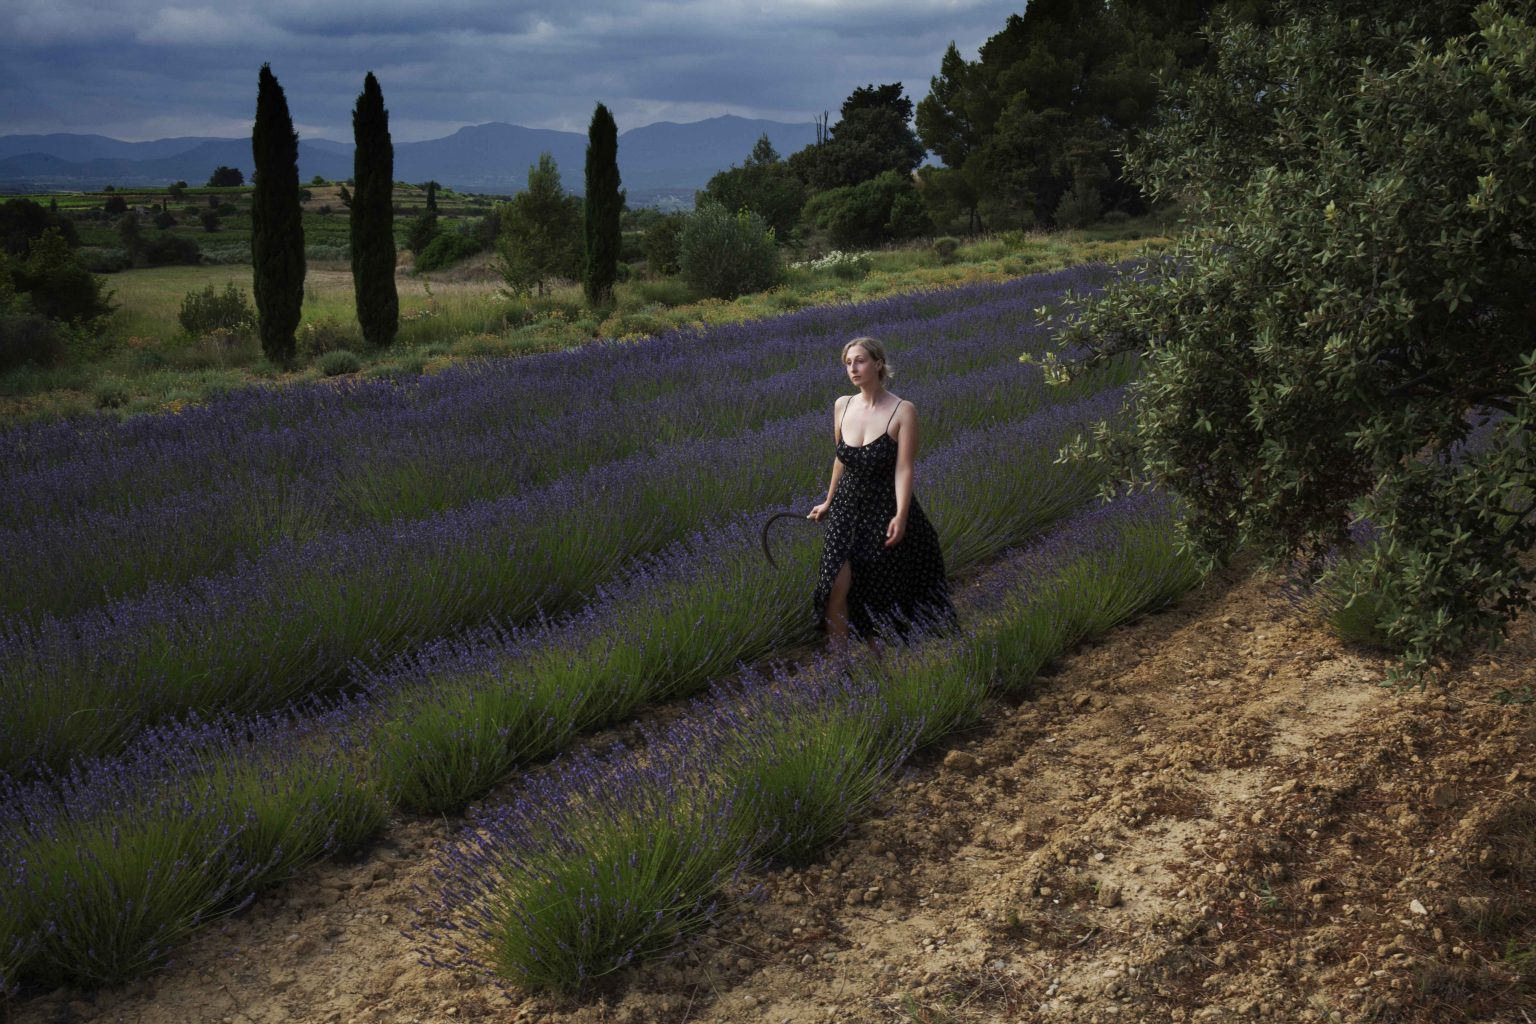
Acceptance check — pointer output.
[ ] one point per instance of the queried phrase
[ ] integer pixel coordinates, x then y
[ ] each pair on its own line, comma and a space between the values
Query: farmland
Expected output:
328, 603
280, 641
142, 360
280, 627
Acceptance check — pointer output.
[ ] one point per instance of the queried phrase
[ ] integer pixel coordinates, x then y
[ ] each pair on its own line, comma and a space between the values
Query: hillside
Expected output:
1214, 814
659, 158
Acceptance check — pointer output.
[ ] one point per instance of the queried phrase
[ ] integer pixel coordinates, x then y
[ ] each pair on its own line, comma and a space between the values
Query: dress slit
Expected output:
892, 590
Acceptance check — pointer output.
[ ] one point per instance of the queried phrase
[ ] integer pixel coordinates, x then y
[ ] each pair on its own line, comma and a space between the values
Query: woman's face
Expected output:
860, 366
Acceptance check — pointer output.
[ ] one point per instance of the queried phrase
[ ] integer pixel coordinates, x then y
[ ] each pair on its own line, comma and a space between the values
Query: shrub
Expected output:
115, 206
205, 310
228, 209
110, 393
339, 361
946, 248
210, 219
104, 259
165, 220
445, 250
166, 250
26, 337
226, 177
1350, 300
322, 337
661, 245
664, 292
725, 254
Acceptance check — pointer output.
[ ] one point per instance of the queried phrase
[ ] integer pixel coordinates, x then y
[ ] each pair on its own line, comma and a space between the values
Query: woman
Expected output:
881, 569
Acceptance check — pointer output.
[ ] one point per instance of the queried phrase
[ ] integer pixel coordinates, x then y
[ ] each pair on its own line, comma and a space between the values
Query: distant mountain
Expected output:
95, 147
665, 160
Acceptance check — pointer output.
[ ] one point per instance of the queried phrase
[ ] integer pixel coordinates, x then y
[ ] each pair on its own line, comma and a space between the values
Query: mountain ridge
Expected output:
490, 157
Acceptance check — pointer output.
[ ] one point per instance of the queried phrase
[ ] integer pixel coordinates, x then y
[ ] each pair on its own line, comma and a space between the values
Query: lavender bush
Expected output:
794, 760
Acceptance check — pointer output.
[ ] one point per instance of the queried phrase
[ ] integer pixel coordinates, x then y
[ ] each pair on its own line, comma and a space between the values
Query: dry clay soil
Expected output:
1216, 813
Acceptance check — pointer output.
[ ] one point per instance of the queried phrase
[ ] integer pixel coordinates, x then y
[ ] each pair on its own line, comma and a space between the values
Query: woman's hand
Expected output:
819, 511
895, 531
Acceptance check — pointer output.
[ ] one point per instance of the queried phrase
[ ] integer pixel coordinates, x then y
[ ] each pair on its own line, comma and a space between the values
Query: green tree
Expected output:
874, 135
1051, 100
228, 177
372, 217
541, 231
431, 197
422, 232
56, 284
22, 220
763, 184
602, 208
1343, 333
882, 209
277, 226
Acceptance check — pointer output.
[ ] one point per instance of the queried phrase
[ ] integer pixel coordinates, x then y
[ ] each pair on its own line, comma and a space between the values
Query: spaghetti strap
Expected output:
893, 415
846, 404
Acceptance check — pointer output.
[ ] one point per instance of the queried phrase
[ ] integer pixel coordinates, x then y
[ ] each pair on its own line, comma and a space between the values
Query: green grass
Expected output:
143, 361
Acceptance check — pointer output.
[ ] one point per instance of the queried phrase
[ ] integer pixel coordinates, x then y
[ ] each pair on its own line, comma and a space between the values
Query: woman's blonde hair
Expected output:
876, 352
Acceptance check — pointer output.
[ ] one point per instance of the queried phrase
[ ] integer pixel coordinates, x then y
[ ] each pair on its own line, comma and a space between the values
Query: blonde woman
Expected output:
881, 569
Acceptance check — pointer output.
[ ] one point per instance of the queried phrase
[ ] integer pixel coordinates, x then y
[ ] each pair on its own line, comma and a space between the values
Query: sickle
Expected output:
771, 520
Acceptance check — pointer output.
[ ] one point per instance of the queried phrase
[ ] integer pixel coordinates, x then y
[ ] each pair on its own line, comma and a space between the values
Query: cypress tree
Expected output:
277, 227
603, 206
373, 218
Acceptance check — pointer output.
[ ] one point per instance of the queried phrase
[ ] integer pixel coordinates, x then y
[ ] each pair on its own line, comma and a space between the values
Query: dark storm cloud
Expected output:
151, 68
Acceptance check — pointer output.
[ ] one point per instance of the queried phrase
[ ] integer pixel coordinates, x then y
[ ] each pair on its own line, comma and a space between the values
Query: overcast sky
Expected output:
148, 69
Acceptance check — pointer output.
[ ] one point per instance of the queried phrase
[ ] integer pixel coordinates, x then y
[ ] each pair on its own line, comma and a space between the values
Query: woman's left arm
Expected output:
906, 456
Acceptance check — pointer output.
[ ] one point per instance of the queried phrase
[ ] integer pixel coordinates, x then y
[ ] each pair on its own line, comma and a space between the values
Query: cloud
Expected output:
133, 68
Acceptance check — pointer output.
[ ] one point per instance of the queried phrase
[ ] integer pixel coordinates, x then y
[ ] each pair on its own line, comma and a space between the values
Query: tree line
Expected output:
277, 229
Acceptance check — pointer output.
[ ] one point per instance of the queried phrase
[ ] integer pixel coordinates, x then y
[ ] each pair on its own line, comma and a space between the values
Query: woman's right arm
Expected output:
837, 465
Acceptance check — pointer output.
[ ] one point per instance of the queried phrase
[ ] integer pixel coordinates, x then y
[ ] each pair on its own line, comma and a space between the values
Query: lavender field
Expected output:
236, 639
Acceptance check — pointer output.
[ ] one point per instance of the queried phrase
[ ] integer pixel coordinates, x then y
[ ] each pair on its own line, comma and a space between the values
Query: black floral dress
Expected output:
895, 589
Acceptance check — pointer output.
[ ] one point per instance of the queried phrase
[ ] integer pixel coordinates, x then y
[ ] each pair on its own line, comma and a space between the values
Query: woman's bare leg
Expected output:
837, 604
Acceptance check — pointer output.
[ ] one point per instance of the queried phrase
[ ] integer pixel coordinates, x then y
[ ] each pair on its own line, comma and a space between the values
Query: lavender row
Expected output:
68, 564
290, 622
611, 859
541, 384
296, 433
444, 726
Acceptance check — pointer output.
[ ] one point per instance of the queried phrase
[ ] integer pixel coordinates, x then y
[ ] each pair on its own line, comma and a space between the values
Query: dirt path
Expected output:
1214, 814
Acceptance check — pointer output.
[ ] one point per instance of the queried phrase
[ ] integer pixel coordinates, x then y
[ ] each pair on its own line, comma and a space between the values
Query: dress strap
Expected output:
846, 404
893, 415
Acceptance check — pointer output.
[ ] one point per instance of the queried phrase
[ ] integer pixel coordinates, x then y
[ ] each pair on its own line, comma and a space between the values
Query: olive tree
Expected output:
1343, 333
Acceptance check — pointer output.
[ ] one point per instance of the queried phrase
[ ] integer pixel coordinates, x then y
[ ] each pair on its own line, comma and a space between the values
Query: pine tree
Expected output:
373, 216
277, 228
604, 205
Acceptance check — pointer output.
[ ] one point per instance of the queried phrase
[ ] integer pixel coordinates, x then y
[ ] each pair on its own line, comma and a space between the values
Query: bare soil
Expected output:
1217, 813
